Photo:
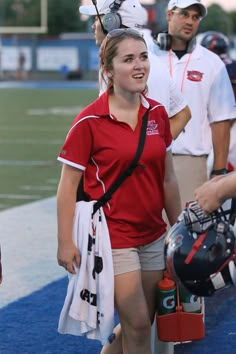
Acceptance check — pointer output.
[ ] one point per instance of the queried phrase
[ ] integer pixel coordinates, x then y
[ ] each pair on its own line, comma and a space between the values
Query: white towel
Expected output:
89, 304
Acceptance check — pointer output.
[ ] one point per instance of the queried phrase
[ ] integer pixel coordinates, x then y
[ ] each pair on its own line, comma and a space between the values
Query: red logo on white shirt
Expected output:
194, 75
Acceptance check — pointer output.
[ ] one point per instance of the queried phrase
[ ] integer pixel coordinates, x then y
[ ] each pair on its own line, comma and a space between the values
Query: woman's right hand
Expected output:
68, 256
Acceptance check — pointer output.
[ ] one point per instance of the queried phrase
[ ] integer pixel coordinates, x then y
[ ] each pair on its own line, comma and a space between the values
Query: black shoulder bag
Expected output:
128, 172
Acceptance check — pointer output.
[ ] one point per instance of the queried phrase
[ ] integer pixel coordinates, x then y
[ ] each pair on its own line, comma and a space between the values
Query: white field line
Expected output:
52, 180
31, 142
39, 129
63, 111
37, 188
20, 196
27, 163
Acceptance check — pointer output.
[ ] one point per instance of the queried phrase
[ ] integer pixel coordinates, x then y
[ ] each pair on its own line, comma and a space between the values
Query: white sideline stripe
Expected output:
28, 237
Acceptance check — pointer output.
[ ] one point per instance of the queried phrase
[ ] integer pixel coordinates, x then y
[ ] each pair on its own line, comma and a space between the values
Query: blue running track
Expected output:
29, 326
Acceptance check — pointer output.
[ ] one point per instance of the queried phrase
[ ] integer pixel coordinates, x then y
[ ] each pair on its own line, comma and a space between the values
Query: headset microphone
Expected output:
98, 15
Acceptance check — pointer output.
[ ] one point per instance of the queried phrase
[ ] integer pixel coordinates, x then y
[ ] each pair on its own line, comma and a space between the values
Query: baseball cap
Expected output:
182, 4
131, 11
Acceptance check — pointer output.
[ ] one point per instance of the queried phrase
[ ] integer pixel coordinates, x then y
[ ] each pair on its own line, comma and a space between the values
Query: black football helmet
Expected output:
217, 42
200, 250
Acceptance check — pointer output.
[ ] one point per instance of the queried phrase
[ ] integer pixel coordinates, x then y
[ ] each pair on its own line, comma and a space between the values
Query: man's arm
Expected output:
212, 194
220, 141
179, 121
179, 113
172, 202
169, 95
221, 103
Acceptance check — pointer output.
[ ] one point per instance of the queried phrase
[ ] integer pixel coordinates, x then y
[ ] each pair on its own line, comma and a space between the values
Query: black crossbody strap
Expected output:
232, 216
107, 196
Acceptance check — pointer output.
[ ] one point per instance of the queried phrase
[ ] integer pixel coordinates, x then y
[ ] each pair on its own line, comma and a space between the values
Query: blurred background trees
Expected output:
63, 16
219, 20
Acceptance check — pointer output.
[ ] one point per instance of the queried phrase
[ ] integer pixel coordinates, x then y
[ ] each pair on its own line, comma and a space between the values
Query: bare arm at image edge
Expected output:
220, 140
212, 194
67, 254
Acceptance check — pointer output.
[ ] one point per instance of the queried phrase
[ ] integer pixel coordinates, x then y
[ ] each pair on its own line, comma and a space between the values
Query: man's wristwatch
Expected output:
222, 171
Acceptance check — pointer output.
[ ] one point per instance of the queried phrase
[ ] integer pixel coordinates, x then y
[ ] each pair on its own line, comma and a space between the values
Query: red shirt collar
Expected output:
101, 106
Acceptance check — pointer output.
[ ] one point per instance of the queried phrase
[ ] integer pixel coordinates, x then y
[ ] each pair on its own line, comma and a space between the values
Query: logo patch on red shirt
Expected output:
194, 75
152, 128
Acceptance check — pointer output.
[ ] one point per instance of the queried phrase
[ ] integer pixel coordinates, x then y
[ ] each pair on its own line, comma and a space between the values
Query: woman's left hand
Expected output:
68, 256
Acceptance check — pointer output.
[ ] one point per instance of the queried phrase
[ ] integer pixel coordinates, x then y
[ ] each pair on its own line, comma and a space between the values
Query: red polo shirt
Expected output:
103, 147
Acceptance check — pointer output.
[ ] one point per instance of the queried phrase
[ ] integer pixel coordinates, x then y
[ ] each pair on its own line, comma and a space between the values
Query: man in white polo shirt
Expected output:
202, 78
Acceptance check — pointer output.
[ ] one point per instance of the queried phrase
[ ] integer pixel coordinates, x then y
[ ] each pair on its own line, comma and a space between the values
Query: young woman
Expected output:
100, 145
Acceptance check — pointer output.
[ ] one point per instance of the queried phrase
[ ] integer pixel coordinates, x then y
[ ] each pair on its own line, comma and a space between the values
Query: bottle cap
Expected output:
166, 274
166, 284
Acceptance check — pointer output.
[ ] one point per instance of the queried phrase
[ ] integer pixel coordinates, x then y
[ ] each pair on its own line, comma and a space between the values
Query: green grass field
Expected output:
33, 126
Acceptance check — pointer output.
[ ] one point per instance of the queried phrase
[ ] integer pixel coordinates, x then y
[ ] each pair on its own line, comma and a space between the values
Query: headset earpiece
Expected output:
111, 21
164, 41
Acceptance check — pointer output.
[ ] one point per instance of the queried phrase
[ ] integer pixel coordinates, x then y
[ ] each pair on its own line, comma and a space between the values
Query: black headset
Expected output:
111, 20
164, 41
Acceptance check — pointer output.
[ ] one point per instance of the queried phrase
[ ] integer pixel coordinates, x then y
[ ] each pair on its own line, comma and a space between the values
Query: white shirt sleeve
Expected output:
162, 88
221, 104
177, 99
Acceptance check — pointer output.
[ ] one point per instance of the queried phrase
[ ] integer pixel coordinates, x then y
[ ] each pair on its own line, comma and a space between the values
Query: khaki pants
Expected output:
191, 172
